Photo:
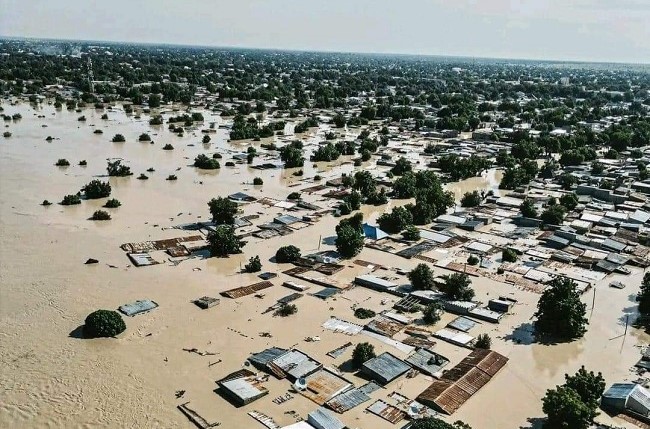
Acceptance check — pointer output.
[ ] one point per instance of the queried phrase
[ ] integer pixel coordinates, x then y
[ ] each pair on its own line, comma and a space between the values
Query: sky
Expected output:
580, 30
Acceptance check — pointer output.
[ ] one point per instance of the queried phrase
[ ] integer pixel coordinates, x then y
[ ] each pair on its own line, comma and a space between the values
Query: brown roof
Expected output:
246, 290
462, 381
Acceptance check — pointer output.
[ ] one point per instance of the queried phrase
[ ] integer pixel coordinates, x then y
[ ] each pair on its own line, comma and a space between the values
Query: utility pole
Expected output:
593, 304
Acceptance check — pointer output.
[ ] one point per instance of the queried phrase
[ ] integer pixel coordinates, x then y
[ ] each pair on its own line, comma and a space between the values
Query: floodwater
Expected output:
487, 181
52, 378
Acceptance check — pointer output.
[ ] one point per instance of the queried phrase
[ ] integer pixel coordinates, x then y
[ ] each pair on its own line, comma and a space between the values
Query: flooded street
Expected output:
52, 378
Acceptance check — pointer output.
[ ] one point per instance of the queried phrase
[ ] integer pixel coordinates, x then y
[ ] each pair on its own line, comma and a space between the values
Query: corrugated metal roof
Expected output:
246, 290
427, 361
385, 367
137, 307
324, 385
385, 326
295, 363
387, 411
338, 325
348, 400
461, 382
324, 419
462, 324
265, 356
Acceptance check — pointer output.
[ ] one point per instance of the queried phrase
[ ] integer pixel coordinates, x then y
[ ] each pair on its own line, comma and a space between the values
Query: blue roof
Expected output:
373, 232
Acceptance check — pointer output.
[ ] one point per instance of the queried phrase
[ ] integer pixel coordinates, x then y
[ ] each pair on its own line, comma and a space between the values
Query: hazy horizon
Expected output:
609, 31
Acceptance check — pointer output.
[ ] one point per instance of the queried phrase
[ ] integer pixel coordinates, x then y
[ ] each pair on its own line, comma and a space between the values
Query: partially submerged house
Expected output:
384, 368
242, 387
461, 382
627, 398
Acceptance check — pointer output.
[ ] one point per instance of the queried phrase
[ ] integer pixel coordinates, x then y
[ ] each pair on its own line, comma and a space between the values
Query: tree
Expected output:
71, 200
553, 215
103, 323
206, 139
258, 181
560, 313
118, 138
564, 409
430, 202
395, 221
115, 168
204, 162
223, 241
154, 101
569, 201
643, 297
431, 313
362, 352
339, 121
421, 277
589, 385
287, 254
100, 215
62, 162
411, 233
509, 255
223, 210
528, 209
402, 165
471, 199
457, 287
597, 168
483, 341
254, 265
567, 181
97, 189
291, 155
112, 203
349, 241
144, 137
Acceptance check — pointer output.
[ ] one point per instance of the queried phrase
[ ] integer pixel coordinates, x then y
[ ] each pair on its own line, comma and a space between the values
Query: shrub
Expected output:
103, 323
364, 313
168, 146
298, 173
258, 181
105, 116
317, 178
144, 137
431, 313
286, 310
115, 168
83, 163
151, 169
472, 260
97, 189
509, 255
411, 233
46, 203
71, 200
6, 134
112, 203
118, 138
230, 164
206, 139
483, 341
98, 131
143, 176
471, 199
205, 163
362, 353
81, 119
62, 163
287, 254
294, 196
172, 177
254, 265
101, 215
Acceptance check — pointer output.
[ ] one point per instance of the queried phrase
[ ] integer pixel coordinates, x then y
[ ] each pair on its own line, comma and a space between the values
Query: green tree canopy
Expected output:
223, 211
457, 287
421, 277
223, 241
560, 313
362, 352
103, 323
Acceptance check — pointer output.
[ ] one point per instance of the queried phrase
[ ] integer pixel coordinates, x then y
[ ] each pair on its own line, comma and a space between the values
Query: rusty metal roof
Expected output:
387, 411
384, 326
462, 381
246, 290
324, 385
